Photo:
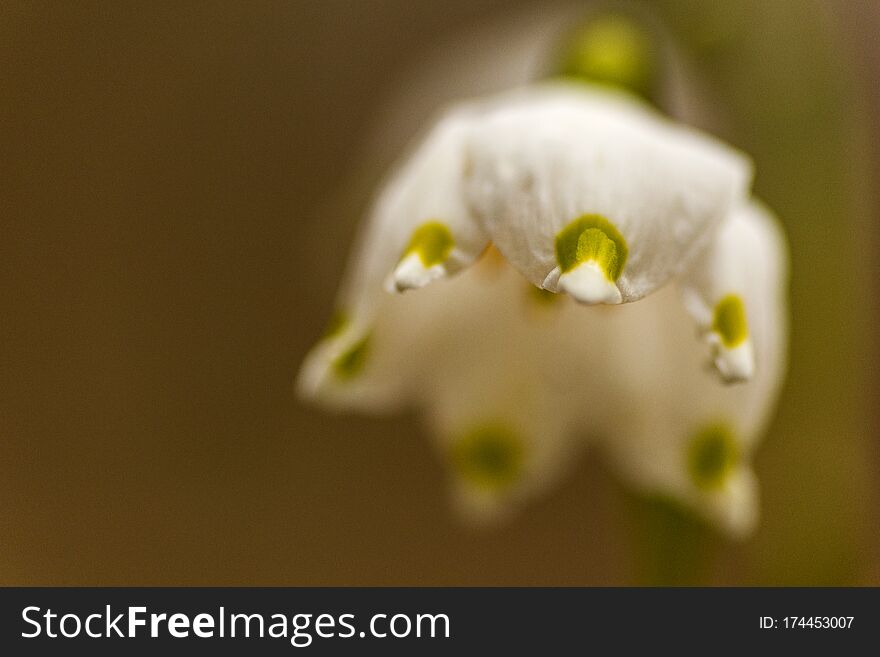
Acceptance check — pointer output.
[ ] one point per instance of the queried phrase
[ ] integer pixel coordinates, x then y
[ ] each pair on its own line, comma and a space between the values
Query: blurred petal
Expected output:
613, 49
483, 356
418, 231
503, 440
356, 367
504, 420
686, 434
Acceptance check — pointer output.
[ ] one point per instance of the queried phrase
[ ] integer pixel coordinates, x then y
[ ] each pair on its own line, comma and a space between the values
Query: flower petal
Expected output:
721, 288
356, 367
504, 432
685, 433
419, 230
566, 177
484, 358
421, 215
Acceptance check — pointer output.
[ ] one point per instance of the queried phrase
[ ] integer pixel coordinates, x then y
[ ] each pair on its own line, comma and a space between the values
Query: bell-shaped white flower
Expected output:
566, 197
584, 191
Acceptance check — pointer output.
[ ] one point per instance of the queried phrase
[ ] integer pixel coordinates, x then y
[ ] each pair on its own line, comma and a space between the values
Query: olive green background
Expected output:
164, 271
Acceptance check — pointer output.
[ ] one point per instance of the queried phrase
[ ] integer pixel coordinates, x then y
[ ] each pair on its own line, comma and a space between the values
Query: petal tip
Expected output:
588, 284
735, 364
411, 274
312, 375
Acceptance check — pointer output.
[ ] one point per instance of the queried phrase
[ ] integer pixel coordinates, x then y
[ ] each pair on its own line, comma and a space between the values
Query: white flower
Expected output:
568, 197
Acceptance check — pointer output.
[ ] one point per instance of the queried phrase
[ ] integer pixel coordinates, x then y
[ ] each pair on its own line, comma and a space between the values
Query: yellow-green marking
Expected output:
611, 49
352, 361
490, 457
729, 321
712, 453
432, 242
592, 238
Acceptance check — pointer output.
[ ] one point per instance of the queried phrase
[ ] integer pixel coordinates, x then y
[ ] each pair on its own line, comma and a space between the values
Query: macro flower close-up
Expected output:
447, 295
559, 265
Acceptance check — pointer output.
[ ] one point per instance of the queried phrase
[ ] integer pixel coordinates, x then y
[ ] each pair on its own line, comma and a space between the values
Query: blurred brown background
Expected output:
164, 274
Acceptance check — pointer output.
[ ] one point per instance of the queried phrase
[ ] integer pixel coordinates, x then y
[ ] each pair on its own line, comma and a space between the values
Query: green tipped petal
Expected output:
592, 238
490, 457
350, 363
712, 455
432, 242
729, 321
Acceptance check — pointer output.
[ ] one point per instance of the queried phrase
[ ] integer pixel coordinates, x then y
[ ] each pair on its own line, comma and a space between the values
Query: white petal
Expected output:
546, 156
411, 273
736, 507
485, 360
683, 432
421, 215
657, 457
723, 289
494, 388
588, 284
419, 230
358, 368
422, 200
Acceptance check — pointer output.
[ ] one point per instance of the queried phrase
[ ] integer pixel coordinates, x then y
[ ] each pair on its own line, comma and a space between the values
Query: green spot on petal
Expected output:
712, 455
490, 457
592, 238
432, 242
730, 322
352, 361
610, 49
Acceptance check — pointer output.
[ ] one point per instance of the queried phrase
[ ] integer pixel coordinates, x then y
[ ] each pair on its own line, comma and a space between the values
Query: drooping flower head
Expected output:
561, 244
